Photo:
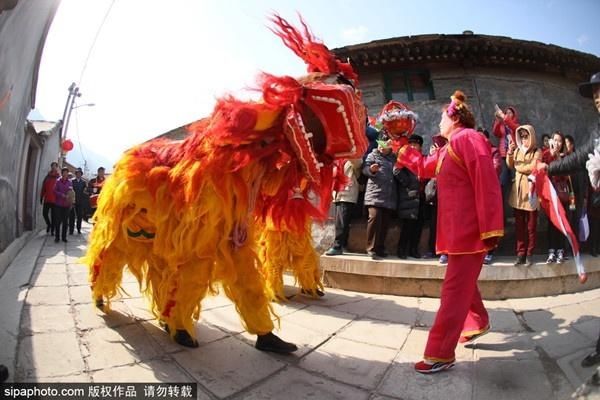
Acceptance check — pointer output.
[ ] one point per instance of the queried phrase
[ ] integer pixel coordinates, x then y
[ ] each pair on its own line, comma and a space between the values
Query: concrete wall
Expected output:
23, 32
49, 153
548, 102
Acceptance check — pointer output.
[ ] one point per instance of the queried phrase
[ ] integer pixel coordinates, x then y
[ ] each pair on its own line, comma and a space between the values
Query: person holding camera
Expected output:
522, 157
504, 128
584, 157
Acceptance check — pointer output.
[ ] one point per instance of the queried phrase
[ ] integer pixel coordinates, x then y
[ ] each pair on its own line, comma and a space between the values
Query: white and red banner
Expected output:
548, 198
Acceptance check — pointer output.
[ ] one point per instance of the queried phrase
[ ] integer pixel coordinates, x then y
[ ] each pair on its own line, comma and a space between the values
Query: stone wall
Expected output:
548, 102
23, 31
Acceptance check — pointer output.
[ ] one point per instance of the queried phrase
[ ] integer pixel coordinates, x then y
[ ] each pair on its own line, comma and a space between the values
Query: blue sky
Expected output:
157, 65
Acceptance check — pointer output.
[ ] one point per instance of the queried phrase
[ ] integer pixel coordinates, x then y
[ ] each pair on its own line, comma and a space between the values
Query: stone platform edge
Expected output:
412, 277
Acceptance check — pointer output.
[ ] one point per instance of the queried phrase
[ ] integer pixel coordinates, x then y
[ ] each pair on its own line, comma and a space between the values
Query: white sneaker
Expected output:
560, 256
551, 257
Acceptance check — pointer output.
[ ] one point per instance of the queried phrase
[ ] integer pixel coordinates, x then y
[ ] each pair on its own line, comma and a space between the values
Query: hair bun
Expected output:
460, 96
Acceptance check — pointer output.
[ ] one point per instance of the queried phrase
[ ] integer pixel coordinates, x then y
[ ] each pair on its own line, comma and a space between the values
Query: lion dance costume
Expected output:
232, 204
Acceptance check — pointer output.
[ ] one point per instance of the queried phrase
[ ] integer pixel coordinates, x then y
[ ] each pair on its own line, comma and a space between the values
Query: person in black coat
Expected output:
577, 161
410, 206
80, 206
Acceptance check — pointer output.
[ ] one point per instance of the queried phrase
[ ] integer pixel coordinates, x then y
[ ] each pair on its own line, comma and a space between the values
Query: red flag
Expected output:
408, 157
556, 214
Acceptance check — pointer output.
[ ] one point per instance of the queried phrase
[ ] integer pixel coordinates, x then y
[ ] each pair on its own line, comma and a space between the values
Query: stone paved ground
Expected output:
352, 345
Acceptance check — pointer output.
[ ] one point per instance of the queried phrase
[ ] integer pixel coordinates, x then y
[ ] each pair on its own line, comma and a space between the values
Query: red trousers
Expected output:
525, 229
461, 310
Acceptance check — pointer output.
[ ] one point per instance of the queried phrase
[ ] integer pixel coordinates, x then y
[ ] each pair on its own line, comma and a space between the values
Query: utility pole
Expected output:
69, 107
73, 93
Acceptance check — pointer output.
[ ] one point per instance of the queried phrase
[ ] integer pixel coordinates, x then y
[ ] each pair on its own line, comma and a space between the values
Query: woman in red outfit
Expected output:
470, 223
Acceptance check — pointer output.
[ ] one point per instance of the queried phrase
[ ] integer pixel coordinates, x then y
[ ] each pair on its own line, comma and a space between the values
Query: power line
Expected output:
84, 68
78, 139
94, 41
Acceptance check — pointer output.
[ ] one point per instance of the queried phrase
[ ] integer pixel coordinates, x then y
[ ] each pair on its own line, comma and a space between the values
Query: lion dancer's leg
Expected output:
273, 256
106, 274
280, 251
245, 286
305, 262
184, 293
302, 259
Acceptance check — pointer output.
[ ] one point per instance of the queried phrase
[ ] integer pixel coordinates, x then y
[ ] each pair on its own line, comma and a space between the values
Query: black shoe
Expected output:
3, 373
185, 339
70, 232
65, 240
308, 292
48, 229
271, 342
181, 336
414, 254
100, 304
520, 260
56, 240
401, 255
591, 359
375, 256
78, 232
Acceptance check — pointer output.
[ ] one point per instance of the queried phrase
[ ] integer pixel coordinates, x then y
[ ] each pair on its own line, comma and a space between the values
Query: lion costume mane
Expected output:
232, 204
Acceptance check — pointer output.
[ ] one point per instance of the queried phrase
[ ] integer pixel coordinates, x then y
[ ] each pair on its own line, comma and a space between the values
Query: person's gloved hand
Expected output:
593, 168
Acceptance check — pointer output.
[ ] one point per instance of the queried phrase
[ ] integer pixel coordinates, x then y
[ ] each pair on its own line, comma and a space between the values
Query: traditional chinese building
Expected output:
540, 80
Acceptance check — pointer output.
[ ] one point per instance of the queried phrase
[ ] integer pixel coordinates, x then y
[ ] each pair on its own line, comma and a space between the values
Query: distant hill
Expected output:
94, 160
35, 115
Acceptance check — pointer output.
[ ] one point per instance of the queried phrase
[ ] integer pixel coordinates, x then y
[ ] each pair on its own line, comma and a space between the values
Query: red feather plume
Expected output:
315, 54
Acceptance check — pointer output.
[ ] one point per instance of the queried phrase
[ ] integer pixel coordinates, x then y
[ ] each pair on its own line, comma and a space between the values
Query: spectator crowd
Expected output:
68, 200
388, 192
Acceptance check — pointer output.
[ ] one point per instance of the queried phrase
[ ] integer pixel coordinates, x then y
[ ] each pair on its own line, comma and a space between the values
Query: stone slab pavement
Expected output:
351, 345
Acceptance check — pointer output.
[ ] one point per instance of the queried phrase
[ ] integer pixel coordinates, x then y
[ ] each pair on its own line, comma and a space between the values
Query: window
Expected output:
406, 86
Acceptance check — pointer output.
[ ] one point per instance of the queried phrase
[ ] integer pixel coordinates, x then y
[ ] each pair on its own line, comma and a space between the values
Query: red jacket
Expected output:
465, 179
500, 129
48, 195
561, 183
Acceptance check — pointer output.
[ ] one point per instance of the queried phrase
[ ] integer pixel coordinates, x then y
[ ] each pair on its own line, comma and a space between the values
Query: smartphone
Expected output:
439, 140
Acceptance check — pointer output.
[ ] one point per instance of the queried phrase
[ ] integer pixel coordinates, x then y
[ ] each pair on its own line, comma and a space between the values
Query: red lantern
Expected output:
67, 145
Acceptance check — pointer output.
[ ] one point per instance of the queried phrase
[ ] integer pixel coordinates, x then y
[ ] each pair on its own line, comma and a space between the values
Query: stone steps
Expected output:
418, 277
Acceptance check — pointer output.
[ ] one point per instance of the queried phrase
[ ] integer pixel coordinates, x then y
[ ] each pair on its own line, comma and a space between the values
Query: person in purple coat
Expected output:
64, 199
